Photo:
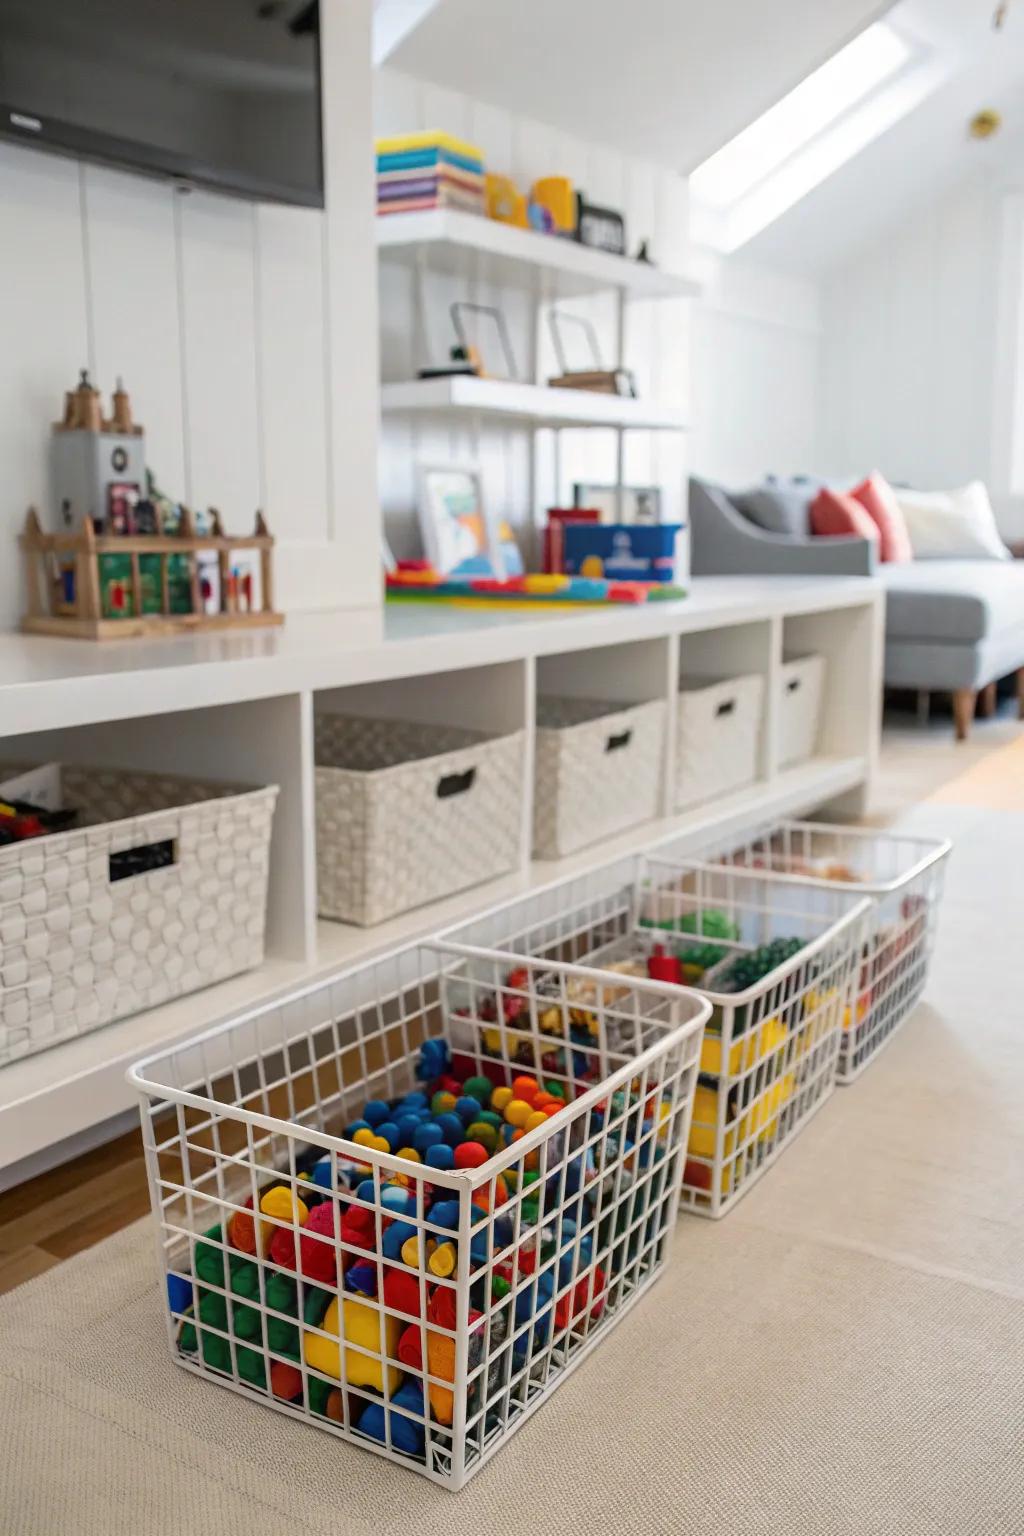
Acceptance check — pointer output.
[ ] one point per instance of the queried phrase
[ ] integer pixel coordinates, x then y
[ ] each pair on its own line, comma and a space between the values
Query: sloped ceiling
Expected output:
923, 157
665, 80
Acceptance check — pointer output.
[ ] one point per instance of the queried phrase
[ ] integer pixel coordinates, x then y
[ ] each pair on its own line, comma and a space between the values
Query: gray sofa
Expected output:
953, 626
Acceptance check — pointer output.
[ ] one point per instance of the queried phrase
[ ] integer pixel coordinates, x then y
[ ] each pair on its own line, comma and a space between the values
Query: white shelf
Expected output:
536, 403
65, 1091
471, 245
48, 684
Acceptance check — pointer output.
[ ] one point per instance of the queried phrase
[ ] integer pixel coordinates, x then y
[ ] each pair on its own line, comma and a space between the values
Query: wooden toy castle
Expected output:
126, 561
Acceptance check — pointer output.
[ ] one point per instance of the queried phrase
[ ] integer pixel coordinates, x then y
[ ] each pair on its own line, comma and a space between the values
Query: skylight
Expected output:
783, 153
393, 20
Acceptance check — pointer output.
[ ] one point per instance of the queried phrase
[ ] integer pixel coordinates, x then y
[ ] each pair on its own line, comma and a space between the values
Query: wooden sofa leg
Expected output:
987, 700
963, 711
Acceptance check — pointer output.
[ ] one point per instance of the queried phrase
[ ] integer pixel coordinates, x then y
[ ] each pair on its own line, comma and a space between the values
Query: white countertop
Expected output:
49, 683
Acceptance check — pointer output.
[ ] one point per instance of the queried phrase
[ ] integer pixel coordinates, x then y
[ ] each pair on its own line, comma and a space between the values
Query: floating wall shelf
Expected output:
536, 403
471, 245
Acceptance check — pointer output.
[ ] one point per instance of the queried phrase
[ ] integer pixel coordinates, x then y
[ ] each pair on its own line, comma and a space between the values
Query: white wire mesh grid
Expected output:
903, 875
554, 1237
769, 1055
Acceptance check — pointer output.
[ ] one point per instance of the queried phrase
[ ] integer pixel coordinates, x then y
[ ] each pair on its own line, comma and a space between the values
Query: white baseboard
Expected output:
66, 1151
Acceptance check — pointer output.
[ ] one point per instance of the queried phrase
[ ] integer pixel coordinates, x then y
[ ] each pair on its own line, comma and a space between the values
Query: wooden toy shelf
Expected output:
78, 613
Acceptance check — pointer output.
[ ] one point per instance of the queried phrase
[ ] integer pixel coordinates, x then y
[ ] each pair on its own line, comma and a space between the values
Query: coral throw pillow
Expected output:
878, 499
836, 512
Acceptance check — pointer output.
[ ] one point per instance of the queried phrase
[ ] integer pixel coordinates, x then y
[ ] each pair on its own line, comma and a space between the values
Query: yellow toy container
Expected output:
558, 195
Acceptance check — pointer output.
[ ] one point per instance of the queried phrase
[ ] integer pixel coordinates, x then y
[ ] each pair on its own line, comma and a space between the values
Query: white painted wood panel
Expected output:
293, 371
136, 322
217, 314
350, 253
44, 335
217, 254
910, 342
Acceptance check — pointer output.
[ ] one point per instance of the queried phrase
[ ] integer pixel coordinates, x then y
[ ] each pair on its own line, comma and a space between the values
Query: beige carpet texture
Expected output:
841, 1355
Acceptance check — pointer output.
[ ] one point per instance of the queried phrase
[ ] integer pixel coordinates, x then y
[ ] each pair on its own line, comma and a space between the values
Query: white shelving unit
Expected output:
478, 250
537, 404
470, 245
241, 707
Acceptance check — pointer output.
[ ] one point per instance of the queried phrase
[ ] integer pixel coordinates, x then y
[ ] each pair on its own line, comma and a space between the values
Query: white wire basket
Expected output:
552, 1239
768, 1059
902, 875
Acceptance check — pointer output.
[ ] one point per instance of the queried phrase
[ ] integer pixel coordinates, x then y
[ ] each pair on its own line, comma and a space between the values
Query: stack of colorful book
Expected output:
429, 170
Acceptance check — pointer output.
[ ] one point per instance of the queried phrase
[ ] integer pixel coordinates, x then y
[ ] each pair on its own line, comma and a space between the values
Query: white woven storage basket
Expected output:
801, 689
718, 732
407, 814
598, 771
553, 1238
769, 1054
903, 877
83, 941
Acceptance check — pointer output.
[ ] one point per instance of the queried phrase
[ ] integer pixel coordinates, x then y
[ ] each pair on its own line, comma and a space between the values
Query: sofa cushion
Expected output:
954, 525
778, 506
959, 601
835, 513
878, 499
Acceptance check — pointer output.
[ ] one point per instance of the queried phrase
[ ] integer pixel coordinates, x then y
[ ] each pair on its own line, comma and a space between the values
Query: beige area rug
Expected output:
843, 1355
996, 782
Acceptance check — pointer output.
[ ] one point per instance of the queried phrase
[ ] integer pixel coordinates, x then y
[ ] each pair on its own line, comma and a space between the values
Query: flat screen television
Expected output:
220, 93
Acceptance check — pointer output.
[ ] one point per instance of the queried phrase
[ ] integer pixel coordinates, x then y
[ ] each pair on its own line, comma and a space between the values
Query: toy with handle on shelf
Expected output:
90, 586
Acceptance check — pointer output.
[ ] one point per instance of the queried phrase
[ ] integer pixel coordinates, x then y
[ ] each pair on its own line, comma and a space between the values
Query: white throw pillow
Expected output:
952, 525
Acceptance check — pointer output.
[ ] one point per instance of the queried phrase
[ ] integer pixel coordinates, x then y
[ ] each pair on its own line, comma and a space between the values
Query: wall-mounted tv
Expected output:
220, 93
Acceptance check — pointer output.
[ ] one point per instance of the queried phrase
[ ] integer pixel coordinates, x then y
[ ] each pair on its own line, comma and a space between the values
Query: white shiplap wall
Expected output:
910, 335
757, 374
245, 333
210, 308
657, 345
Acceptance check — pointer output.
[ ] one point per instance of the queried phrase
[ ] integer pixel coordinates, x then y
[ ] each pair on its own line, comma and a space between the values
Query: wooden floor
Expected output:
58, 1214
46, 1221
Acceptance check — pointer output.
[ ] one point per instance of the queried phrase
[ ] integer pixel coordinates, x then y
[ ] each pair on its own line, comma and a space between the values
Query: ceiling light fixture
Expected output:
984, 124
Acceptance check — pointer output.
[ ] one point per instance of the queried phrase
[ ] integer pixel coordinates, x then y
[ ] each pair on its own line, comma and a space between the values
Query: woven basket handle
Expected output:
620, 739
132, 862
455, 784
793, 685
727, 707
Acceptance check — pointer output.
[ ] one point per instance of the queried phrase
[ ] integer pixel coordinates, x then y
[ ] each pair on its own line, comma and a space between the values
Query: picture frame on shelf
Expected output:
460, 535
621, 504
489, 346
603, 229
